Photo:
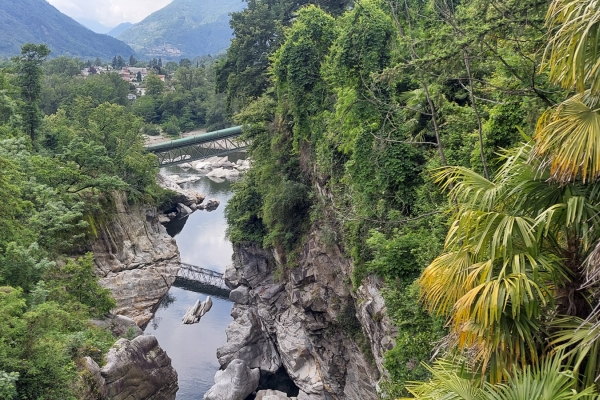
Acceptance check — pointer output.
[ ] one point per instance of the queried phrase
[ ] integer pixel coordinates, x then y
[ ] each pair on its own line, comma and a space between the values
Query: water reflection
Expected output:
201, 241
192, 348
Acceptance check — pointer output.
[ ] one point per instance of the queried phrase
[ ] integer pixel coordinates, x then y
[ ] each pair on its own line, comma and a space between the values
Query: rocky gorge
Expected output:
306, 323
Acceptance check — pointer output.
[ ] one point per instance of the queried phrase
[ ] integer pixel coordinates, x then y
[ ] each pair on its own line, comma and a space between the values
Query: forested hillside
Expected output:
184, 28
57, 173
451, 147
36, 21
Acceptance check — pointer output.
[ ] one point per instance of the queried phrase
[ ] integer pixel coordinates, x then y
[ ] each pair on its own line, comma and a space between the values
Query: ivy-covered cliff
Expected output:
353, 112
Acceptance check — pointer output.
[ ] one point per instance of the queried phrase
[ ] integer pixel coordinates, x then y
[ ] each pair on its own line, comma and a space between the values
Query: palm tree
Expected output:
513, 258
568, 135
548, 380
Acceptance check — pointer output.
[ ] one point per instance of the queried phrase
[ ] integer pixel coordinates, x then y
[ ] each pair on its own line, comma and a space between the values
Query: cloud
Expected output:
109, 12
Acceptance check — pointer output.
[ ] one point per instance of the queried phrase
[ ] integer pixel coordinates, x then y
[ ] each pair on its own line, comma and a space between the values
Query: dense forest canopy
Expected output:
67, 144
451, 147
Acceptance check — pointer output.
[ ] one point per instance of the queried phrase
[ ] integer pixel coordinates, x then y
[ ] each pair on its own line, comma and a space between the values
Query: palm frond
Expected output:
572, 52
568, 136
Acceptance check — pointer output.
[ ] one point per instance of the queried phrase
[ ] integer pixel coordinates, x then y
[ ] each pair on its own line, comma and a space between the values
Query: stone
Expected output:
94, 384
236, 382
135, 259
240, 295
139, 369
183, 210
270, 395
163, 219
211, 204
197, 311
171, 215
119, 325
193, 207
247, 341
217, 173
185, 166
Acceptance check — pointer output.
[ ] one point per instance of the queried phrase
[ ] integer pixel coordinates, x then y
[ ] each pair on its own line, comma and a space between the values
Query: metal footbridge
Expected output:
203, 280
217, 143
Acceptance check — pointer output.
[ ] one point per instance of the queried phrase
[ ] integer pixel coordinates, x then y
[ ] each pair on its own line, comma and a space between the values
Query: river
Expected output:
201, 241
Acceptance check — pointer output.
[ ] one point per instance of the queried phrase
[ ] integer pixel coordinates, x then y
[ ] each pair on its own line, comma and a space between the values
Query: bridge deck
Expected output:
216, 143
203, 279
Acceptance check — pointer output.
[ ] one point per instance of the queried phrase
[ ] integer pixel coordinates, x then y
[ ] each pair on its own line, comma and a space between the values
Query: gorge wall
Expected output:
136, 259
328, 338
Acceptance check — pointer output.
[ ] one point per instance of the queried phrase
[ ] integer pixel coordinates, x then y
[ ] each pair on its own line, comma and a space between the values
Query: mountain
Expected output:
184, 28
93, 25
37, 21
117, 30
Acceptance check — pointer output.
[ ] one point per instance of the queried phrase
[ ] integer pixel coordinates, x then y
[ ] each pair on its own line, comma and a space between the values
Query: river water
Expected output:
201, 241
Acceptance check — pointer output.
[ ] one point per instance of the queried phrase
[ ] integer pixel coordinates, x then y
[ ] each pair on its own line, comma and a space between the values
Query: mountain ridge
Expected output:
37, 21
184, 28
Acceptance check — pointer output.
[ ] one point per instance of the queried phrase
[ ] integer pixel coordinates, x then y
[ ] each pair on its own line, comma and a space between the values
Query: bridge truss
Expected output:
202, 275
199, 151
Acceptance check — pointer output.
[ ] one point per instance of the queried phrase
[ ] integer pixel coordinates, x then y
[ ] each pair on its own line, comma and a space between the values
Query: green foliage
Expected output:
29, 69
8, 388
76, 282
244, 223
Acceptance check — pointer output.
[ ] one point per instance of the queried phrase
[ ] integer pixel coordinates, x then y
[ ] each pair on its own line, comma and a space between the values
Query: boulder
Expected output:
183, 210
139, 369
240, 295
236, 382
197, 311
163, 219
271, 395
247, 341
119, 325
185, 166
94, 384
211, 204
217, 173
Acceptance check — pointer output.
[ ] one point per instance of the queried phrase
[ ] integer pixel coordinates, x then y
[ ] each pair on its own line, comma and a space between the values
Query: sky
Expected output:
109, 12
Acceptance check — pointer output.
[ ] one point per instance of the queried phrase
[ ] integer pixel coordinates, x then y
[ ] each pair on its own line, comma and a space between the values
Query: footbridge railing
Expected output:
201, 279
210, 144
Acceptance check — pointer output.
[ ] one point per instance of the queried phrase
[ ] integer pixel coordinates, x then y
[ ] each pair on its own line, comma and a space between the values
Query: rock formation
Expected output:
136, 259
308, 322
236, 382
197, 311
135, 370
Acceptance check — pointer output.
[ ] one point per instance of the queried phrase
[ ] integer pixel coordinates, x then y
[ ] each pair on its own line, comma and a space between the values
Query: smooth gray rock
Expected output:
271, 395
94, 383
236, 382
246, 340
139, 370
135, 259
183, 210
240, 295
119, 325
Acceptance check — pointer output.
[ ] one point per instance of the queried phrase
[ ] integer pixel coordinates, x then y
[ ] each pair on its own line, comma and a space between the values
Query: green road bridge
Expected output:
217, 143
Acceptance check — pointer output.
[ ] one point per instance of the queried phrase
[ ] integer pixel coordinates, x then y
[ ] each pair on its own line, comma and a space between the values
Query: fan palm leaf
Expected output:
572, 53
568, 136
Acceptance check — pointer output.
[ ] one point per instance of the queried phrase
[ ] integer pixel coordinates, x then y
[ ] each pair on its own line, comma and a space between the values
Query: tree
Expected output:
138, 76
132, 60
154, 85
567, 135
29, 70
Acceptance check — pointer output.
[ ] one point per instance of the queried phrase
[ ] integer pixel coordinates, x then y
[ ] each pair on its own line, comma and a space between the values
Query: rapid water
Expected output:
201, 241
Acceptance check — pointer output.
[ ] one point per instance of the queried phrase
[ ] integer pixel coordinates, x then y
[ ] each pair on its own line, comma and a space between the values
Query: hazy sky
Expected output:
109, 12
